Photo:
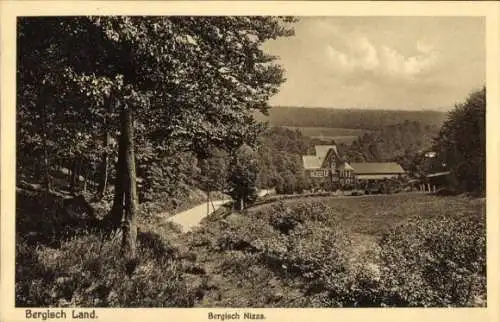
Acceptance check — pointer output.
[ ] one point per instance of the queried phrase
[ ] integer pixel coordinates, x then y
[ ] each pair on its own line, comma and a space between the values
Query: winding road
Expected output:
192, 217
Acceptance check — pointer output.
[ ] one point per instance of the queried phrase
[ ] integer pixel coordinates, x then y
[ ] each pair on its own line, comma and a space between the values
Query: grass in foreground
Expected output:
60, 262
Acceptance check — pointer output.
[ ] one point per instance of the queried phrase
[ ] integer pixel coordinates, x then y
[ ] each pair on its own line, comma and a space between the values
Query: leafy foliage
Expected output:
242, 176
399, 142
435, 262
95, 93
462, 142
192, 81
84, 272
280, 160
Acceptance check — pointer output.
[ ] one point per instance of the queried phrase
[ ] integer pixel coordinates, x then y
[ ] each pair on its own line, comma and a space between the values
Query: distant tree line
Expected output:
368, 119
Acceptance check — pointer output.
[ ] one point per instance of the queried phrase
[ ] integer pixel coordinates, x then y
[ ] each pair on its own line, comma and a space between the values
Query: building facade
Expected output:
328, 167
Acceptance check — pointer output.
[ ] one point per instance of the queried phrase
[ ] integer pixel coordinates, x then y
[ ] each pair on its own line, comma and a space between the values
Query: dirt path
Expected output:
191, 218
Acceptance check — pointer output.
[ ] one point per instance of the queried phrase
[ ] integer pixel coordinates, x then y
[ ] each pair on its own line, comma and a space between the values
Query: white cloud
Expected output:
363, 55
382, 62
399, 65
370, 55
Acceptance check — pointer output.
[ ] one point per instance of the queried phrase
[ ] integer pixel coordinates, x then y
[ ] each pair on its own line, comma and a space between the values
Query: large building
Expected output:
327, 165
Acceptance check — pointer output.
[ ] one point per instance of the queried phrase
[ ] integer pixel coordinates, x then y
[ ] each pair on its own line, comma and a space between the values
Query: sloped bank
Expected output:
310, 254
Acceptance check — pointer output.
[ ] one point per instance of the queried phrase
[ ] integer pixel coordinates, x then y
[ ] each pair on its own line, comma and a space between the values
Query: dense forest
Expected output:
457, 138
461, 144
382, 135
277, 159
280, 160
280, 151
368, 119
399, 143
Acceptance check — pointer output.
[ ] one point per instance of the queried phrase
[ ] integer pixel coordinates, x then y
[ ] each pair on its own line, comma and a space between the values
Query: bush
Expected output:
302, 246
86, 272
57, 219
435, 262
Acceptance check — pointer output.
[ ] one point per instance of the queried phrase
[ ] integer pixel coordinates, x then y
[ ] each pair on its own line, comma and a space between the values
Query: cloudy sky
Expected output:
381, 62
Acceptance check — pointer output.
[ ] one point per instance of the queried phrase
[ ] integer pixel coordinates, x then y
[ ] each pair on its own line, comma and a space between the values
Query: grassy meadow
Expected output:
327, 131
340, 135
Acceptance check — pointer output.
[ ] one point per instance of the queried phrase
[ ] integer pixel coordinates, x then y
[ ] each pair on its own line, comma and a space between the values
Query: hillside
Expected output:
344, 252
398, 142
367, 119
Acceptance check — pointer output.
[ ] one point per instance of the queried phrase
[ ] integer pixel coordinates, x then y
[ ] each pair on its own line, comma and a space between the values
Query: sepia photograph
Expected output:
249, 161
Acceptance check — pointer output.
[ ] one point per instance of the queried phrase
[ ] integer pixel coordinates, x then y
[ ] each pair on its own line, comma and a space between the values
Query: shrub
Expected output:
86, 272
301, 245
307, 260
435, 262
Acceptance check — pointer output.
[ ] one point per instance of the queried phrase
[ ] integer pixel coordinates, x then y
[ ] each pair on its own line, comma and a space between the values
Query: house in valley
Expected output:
328, 167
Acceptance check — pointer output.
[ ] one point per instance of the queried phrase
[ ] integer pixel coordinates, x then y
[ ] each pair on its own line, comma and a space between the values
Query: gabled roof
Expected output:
331, 153
377, 168
312, 162
316, 161
322, 150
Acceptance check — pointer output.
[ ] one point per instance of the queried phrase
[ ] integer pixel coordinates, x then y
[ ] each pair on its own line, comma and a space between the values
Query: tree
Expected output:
213, 173
280, 156
242, 177
462, 143
289, 183
161, 85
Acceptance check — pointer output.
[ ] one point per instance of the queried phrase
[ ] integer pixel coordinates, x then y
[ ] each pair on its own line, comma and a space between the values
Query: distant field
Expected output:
329, 132
340, 135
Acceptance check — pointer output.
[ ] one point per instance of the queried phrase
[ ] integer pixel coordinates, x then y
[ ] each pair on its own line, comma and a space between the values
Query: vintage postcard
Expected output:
233, 161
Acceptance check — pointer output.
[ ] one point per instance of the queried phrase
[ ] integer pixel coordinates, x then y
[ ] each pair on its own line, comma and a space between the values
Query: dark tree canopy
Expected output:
165, 89
462, 142
242, 176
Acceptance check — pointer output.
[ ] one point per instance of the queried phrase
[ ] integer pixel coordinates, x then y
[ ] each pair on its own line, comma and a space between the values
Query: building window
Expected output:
319, 173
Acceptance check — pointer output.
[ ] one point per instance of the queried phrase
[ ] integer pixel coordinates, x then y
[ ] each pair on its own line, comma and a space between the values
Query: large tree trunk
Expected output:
46, 163
129, 188
125, 197
116, 213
